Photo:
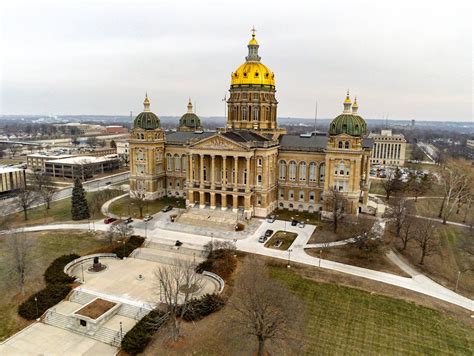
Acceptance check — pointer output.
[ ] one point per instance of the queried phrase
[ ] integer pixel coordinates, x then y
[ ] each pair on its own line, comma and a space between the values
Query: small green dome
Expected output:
146, 120
350, 124
190, 120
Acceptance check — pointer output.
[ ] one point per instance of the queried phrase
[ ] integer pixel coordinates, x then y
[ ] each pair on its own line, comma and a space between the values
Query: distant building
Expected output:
116, 129
389, 149
81, 167
123, 151
470, 144
86, 129
35, 161
11, 179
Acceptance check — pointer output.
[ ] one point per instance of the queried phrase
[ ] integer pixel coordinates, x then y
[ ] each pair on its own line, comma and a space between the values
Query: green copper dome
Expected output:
353, 125
190, 120
147, 121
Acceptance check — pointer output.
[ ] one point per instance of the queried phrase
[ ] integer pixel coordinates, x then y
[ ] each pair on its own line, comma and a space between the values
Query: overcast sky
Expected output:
406, 59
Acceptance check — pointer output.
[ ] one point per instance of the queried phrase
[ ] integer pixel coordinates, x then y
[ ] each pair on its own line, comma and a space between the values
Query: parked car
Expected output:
271, 218
301, 224
167, 208
147, 218
109, 220
268, 233
263, 238
128, 220
294, 222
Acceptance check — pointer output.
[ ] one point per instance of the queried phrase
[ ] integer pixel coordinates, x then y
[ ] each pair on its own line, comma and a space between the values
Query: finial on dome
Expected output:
347, 104
253, 31
253, 47
146, 103
355, 106
190, 106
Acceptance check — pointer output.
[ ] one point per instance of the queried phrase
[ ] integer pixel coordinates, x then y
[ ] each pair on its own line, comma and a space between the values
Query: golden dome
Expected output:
255, 73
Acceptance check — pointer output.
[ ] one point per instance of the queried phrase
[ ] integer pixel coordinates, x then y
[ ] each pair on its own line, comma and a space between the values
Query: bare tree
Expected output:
100, 198
25, 198
266, 309
400, 209
138, 199
407, 231
92, 141
426, 238
337, 203
20, 250
119, 231
457, 187
177, 283
14, 149
392, 184
43, 185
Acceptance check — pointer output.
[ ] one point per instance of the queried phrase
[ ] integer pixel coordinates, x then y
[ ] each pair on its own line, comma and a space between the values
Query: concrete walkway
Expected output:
418, 282
105, 208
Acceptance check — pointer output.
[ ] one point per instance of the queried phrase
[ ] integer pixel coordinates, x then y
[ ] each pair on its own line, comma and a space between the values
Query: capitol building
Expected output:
252, 165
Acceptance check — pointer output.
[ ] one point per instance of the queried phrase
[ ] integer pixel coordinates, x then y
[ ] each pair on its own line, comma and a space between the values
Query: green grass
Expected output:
342, 320
59, 211
47, 246
286, 236
310, 218
126, 206
376, 187
430, 208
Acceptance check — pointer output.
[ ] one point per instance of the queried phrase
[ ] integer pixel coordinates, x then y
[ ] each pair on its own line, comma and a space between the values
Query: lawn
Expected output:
60, 210
443, 267
342, 320
338, 321
309, 218
430, 207
47, 246
126, 206
285, 236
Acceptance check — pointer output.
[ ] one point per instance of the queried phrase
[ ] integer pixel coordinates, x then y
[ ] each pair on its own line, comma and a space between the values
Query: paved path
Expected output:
418, 282
105, 208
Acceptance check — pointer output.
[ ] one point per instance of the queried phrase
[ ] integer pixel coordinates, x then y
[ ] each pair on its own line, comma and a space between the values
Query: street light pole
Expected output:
320, 257
37, 313
289, 254
146, 225
457, 281
121, 332
82, 268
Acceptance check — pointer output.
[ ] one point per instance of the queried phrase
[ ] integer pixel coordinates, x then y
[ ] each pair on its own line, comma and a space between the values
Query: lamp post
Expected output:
37, 313
289, 255
320, 257
123, 244
457, 281
146, 228
121, 332
82, 269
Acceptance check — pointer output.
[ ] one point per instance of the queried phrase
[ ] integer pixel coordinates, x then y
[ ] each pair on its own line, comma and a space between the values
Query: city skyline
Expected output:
87, 58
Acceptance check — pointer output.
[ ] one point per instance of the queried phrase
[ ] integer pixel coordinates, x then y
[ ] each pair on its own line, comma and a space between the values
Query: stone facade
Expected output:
389, 149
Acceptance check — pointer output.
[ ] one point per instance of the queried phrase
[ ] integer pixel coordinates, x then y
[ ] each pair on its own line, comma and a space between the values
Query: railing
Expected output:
71, 264
217, 278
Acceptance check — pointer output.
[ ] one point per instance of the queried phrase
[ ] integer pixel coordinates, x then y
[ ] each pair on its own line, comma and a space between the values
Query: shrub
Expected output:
140, 335
54, 274
46, 298
202, 307
132, 243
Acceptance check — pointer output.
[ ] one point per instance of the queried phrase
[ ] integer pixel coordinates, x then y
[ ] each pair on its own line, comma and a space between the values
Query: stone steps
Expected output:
132, 312
81, 297
164, 257
186, 249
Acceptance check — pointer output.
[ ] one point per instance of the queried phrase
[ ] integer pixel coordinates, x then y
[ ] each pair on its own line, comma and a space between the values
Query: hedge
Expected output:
47, 297
202, 307
132, 243
55, 272
140, 335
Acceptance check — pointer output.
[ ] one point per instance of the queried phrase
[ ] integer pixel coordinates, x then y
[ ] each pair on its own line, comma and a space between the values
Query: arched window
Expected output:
259, 179
322, 172
302, 172
312, 172
292, 171
169, 162
255, 113
341, 168
340, 144
311, 197
282, 170
301, 195
346, 145
177, 162
140, 155
291, 195
356, 129
184, 161
244, 113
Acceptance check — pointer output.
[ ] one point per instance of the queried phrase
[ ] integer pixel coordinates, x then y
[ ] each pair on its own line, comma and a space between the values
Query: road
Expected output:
10, 206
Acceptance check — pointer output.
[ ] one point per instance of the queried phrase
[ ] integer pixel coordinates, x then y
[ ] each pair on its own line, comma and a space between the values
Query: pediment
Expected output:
219, 143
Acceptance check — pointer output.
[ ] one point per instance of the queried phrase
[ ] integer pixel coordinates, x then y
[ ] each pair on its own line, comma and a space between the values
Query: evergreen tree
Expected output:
113, 144
79, 205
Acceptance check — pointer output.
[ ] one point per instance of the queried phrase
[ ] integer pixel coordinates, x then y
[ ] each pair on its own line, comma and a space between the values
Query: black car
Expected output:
268, 233
128, 220
294, 222
167, 208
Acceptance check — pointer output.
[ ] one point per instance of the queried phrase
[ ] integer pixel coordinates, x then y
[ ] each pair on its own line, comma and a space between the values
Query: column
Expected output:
235, 203
236, 172
212, 172
265, 172
201, 170
224, 168
189, 174
224, 201
202, 203
247, 185
212, 202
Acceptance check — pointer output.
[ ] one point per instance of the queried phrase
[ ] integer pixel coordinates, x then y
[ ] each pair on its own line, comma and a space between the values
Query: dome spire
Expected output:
146, 103
190, 106
253, 48
347, 104
355, 107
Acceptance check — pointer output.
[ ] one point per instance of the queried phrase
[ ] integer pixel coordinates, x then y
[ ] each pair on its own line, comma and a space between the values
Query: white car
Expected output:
301, 224
147, 218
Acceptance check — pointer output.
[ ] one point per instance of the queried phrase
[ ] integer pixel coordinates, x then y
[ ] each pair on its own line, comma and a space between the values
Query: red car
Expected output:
109, 220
